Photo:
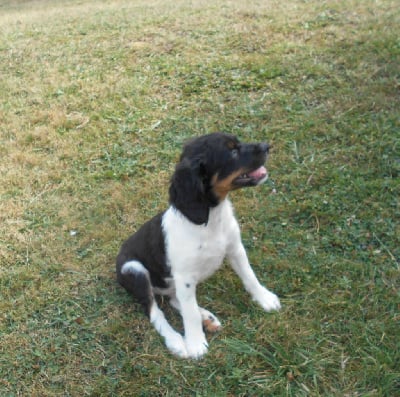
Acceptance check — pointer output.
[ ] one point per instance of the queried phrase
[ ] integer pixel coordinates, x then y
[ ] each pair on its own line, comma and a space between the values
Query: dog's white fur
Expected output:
195, 252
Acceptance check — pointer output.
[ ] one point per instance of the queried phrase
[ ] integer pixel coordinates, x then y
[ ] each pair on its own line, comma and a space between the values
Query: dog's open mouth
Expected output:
252, 178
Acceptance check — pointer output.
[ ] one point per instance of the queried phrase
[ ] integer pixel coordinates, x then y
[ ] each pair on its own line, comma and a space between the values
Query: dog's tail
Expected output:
135, 278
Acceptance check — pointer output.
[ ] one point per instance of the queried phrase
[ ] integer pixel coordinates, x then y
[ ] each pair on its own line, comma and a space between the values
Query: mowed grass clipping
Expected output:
96, 100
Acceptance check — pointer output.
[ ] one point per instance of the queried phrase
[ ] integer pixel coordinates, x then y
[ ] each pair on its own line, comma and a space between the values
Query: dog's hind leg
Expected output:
173, 340
136, 279
210, 321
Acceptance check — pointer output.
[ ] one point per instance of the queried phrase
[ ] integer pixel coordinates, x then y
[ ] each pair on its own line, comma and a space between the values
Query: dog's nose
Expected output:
263, 147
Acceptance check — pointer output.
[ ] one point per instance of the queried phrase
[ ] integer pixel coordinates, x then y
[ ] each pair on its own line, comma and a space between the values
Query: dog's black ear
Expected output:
188, 190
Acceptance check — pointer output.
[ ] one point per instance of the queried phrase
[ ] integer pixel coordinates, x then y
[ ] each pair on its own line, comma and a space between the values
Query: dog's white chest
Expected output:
198, 250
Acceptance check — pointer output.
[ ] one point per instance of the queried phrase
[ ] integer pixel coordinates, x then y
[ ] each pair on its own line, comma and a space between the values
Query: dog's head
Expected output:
210, 167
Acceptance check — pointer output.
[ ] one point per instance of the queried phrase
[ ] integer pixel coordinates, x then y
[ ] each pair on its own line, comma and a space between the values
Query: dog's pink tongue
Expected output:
258, 173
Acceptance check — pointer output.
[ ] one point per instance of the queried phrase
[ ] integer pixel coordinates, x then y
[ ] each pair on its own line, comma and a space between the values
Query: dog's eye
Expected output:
235, 153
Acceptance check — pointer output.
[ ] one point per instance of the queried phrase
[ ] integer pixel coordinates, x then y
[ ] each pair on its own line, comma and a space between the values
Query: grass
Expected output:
96, 100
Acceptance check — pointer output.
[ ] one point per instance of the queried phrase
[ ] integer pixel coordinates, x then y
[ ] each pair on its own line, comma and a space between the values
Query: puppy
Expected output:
177, 249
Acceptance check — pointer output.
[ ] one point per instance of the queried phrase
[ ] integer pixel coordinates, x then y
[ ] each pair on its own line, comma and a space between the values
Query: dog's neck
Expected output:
217, 212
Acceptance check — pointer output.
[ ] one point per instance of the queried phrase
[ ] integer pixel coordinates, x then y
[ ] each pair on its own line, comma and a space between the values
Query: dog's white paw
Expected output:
210, 322
197, 349
176, 345
267, 300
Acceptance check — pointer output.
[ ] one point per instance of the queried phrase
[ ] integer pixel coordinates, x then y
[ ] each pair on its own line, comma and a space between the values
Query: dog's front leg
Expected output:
196, 343
240, 263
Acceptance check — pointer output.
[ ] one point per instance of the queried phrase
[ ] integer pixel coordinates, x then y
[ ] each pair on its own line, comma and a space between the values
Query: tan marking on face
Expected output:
224, 186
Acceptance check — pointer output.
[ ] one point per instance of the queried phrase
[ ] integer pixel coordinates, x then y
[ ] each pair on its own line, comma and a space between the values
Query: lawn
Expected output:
96, 100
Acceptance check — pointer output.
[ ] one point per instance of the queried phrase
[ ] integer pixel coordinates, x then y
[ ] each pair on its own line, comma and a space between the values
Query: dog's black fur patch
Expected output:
147, 246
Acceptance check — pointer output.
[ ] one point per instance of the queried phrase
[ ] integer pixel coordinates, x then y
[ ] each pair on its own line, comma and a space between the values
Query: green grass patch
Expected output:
96, 101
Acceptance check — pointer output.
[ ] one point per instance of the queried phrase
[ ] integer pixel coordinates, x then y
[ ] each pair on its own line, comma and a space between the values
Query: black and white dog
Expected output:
174, 251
